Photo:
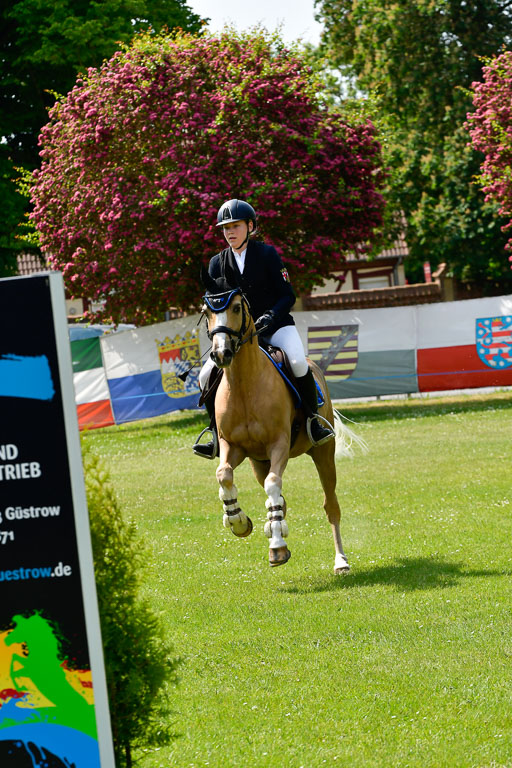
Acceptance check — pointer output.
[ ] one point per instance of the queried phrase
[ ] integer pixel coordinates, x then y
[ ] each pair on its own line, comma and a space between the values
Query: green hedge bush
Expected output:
139, 665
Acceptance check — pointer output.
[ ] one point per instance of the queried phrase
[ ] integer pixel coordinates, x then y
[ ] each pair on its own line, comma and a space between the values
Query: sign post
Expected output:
53, 696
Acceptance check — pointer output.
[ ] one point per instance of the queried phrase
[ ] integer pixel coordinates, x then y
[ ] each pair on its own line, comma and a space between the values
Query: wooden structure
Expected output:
380, 282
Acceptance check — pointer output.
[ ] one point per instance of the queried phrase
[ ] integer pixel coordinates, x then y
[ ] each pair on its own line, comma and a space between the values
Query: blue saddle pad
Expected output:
296, 397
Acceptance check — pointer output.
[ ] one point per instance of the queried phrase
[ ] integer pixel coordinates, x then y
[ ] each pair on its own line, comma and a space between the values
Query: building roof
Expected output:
30, 264
399, 248
396, 252
392, 296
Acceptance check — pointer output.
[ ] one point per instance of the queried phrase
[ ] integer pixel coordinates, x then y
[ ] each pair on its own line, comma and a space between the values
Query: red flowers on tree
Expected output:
139, 156
490, 127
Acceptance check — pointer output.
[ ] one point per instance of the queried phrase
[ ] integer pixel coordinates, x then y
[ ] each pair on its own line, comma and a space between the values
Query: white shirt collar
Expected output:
240, 259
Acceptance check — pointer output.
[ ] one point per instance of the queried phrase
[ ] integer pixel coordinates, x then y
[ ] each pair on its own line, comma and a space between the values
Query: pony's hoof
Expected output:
278, 556
341, 565
246, 532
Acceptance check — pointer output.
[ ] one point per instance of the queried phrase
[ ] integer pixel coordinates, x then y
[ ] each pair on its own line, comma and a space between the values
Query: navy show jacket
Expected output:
264, 281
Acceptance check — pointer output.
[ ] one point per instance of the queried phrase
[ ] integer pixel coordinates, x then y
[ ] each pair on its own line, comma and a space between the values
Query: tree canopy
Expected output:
143, 151
418, 59
43, 45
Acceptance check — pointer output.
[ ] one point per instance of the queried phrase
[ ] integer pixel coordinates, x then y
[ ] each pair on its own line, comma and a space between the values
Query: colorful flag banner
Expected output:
135, 373
334, 349
362, 353
458, 340
90, 381
143, 369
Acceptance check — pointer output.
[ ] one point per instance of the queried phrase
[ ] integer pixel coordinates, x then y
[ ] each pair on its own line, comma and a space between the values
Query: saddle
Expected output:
280, 359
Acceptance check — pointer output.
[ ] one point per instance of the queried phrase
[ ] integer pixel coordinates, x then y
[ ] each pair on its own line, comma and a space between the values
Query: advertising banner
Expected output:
53, 699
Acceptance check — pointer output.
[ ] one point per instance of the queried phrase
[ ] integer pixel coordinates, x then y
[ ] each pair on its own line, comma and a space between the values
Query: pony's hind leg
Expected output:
323, 456
234, 517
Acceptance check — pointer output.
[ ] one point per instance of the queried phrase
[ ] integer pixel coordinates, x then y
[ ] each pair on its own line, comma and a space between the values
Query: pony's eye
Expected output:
236, 309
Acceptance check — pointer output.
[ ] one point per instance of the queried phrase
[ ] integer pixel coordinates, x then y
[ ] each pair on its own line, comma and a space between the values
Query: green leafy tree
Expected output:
138, 661
43, 45
417, 59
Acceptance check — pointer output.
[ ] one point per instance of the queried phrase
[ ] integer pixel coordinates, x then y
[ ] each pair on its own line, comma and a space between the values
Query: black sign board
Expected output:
53, 699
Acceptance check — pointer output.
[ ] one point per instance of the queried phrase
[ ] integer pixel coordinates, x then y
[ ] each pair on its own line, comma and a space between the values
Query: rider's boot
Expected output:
208, 450
319, 430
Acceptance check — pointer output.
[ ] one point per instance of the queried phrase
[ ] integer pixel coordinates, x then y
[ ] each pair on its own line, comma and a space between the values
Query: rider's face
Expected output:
236, 233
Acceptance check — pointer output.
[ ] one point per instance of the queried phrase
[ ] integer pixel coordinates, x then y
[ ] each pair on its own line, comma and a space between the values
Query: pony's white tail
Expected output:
346, 438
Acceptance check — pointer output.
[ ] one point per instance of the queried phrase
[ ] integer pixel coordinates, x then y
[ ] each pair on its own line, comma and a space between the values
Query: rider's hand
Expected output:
265, 320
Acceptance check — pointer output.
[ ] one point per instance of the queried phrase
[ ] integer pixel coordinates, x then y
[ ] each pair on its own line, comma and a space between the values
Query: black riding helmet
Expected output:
236, 210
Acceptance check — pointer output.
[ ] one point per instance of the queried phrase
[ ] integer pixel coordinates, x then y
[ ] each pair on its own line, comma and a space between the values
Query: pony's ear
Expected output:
208, 281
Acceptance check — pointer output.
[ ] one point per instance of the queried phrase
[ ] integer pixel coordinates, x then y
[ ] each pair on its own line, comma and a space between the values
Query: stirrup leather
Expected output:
327, 424
214, 440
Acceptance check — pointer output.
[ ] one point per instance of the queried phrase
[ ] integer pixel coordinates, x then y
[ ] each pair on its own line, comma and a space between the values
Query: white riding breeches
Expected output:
288, 339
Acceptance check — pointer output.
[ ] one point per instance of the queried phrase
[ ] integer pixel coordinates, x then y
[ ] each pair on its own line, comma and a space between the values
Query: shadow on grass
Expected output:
405, 574
408, 409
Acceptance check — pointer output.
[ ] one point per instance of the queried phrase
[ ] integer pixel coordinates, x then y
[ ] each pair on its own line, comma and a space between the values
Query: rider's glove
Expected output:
265, 320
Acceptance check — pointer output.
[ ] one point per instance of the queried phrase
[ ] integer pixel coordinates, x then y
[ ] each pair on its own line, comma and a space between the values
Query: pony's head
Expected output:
227, 316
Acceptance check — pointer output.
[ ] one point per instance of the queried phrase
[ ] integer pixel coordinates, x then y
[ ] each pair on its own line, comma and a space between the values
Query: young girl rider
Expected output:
264, 280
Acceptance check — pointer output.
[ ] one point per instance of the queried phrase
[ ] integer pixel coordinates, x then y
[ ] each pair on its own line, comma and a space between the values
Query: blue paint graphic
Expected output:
72, 747
27, 377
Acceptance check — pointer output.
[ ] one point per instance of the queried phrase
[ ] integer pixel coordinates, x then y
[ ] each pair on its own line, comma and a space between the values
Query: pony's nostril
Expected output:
222, 358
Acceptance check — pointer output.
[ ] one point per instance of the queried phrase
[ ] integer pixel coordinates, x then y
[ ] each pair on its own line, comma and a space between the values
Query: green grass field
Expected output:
407, 661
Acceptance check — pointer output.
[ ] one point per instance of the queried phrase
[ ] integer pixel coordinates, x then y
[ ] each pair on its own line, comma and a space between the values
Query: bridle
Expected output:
218, 302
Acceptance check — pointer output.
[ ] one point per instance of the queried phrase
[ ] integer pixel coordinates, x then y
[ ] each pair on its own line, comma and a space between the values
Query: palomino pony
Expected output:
255, 414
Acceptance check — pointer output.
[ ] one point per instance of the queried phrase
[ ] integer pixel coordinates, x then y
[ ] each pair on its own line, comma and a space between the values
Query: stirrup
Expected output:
320, 420
214, 440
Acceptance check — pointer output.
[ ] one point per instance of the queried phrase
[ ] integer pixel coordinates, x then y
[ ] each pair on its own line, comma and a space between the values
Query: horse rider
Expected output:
264, 281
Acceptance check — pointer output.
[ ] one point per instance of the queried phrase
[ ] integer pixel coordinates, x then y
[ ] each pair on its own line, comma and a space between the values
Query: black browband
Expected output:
218, 302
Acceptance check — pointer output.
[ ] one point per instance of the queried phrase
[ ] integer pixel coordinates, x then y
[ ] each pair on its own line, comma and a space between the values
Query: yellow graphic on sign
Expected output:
36, 684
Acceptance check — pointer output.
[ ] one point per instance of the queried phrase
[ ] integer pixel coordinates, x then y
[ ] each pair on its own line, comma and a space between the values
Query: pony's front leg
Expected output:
234, 517
276, 527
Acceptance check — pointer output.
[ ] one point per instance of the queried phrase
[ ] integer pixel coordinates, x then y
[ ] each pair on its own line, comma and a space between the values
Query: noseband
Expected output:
218, 302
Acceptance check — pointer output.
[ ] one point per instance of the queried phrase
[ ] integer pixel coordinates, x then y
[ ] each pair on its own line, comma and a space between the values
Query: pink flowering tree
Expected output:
139, 156
490, 127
